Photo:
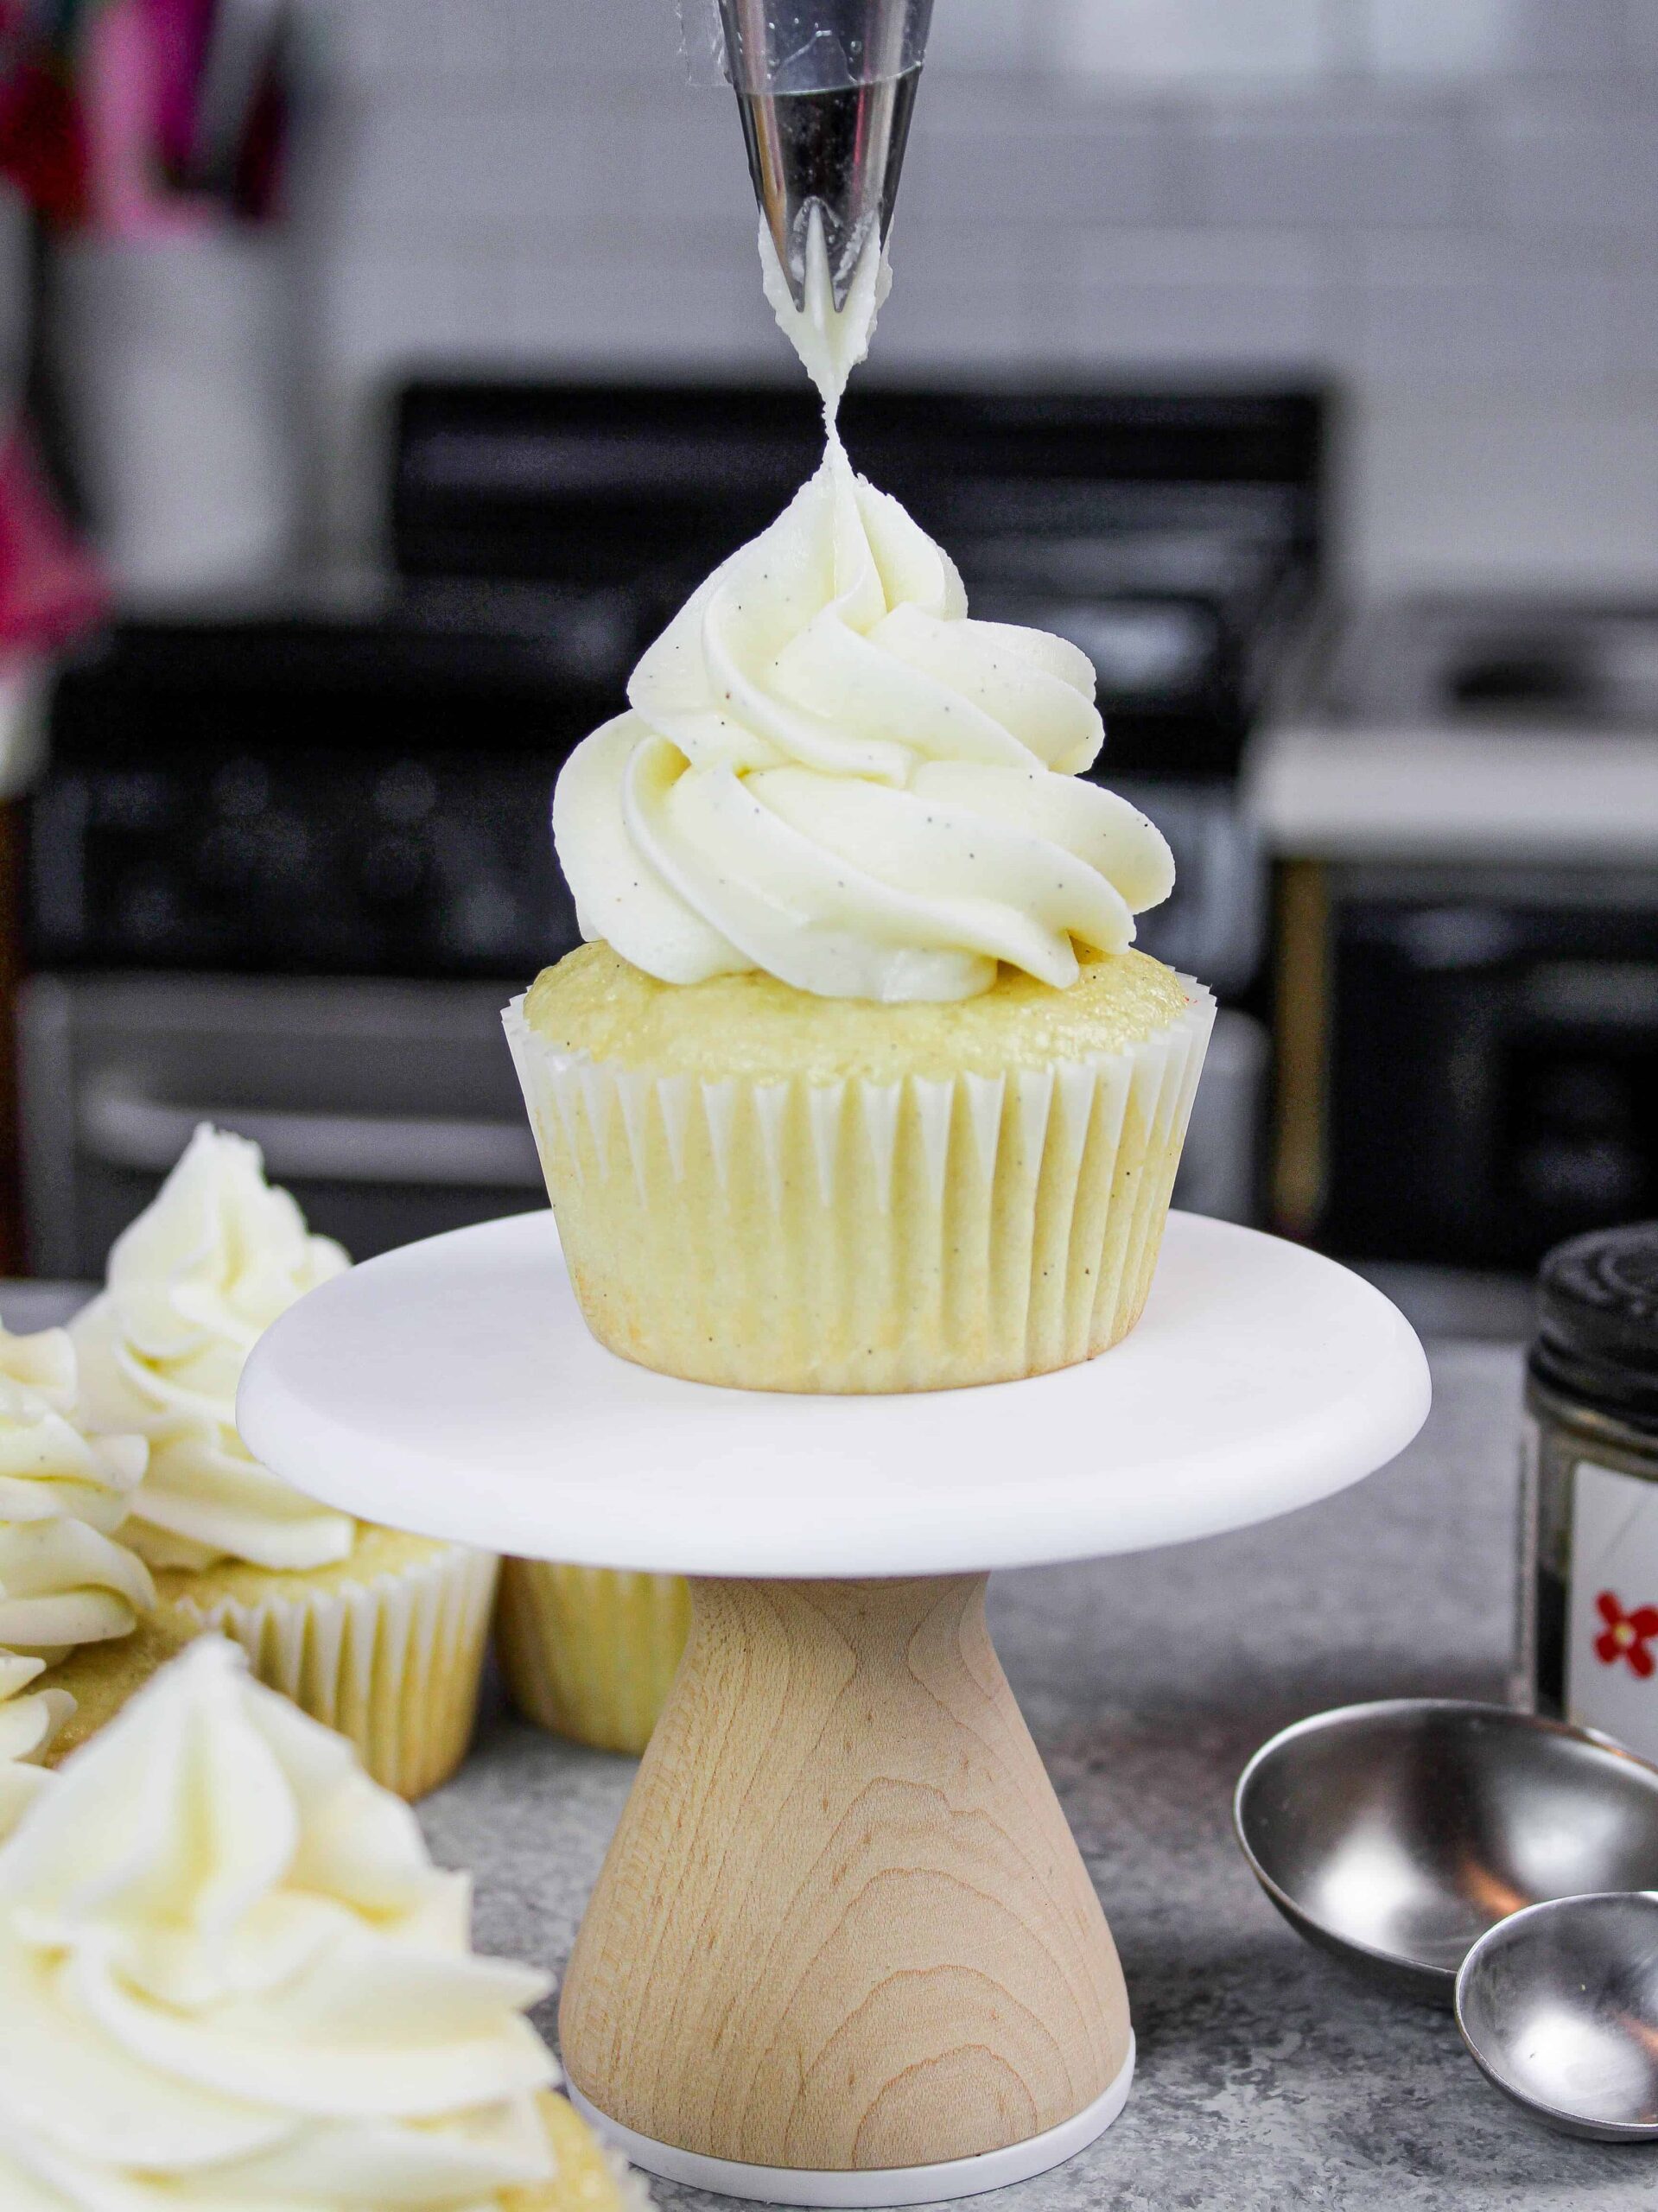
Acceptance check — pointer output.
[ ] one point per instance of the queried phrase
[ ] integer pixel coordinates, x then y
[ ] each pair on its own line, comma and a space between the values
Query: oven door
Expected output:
389, 1110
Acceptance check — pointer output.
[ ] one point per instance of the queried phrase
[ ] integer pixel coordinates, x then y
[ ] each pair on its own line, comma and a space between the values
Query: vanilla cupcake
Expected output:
859, 1086
589, 1653
230, 1975
377, 1633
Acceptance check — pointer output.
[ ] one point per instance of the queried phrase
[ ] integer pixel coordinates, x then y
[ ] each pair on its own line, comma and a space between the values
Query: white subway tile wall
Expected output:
1458, 196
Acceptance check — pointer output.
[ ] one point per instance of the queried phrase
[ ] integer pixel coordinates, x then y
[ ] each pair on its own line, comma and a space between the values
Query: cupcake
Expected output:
230, 1975
65, 1579
588, 1653
377, 1633
858, 1084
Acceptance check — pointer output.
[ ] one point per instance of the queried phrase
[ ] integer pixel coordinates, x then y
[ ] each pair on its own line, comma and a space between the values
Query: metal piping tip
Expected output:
826, 90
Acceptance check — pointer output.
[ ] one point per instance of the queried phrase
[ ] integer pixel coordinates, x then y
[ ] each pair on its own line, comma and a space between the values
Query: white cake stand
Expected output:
843, 1950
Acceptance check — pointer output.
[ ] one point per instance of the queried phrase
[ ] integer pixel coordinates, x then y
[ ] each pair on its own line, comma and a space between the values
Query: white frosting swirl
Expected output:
193, 1284
28, 1726
832, 773
63, 1579
231, 1976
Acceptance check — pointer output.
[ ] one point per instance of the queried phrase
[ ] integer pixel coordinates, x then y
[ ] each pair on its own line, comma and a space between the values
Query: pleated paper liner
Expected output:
858, 1235
387, 1648
589, 1653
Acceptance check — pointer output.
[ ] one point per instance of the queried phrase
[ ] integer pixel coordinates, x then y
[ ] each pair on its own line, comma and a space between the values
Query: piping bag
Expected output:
826, 89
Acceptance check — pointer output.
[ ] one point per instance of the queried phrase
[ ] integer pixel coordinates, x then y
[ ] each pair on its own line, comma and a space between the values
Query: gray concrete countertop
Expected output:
1266, 2078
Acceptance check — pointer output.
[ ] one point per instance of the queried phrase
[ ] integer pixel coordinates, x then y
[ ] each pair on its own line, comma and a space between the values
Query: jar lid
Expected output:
1598, 1321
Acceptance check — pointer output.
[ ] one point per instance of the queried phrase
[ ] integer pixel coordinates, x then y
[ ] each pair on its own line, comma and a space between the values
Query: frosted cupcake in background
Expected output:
65, 1577
230, 1975
30, 1719
377, 1633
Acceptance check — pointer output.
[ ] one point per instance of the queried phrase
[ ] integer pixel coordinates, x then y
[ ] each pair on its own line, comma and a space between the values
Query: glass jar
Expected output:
1588, 1616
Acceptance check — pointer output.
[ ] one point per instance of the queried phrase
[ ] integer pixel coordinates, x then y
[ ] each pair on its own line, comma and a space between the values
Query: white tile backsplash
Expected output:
1433, 40
1176, 42
1449, 310
1215, 299
1583, 174
997, 163
975, 35
1329, 163
1570, 37
1443, 195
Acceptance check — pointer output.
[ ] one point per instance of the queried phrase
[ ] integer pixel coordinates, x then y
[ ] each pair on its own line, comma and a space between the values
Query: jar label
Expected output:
1612, 1642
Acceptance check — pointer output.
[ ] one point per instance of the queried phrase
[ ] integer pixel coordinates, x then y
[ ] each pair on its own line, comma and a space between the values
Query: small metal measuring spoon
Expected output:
1395, 1834
1558, 2004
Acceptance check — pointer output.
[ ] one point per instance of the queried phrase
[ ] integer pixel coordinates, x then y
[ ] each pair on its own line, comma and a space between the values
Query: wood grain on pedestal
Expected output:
844, 1924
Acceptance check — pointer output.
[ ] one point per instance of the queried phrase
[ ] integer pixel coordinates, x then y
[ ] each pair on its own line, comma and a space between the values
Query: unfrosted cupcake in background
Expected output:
230, 1975
376, 1633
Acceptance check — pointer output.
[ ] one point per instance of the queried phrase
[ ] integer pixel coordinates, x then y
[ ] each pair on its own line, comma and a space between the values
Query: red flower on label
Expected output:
1626, 1635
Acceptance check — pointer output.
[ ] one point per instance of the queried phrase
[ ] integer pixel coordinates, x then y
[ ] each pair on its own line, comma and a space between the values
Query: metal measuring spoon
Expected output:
1395, 1834
1558, 2004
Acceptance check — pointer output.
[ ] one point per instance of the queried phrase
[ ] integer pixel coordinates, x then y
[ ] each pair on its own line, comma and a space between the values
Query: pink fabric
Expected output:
50, 588
134, 96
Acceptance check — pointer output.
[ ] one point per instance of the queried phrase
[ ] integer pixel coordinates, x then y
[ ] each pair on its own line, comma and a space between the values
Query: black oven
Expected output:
1492, 1060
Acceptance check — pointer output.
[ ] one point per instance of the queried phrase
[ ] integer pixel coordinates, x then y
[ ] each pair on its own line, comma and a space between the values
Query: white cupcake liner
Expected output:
393, 1662
858, 1236
589, 1652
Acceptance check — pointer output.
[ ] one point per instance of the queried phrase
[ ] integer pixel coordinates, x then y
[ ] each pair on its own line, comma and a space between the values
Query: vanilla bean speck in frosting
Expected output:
193, 1284
231, 1977
829, 771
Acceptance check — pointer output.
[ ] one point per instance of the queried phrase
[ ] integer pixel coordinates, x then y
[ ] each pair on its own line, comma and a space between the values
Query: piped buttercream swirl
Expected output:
29, 1719
64, 1580
193, 1284
231, 1977
830, 772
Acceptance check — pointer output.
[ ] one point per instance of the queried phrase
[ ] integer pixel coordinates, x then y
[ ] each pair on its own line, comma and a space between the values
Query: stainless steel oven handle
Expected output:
124, 1128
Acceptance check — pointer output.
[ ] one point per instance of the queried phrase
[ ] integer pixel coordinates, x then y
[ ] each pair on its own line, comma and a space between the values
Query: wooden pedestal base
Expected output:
843, 1925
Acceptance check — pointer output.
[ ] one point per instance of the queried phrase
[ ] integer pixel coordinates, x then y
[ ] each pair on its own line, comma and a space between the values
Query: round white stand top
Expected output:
452, 1388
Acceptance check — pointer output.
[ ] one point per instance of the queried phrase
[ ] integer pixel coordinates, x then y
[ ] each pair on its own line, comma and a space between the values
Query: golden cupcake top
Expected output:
597, 1004
193, 1284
